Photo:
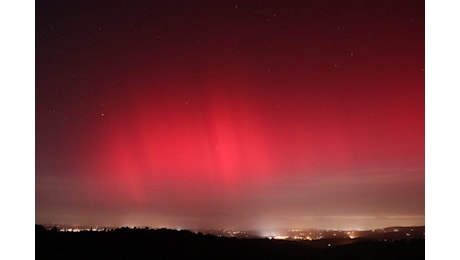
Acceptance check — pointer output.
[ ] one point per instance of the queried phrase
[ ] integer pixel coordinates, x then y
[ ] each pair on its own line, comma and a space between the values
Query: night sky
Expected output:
233, 114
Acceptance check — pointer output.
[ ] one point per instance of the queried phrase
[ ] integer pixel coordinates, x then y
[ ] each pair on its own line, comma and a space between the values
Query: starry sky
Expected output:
231, 114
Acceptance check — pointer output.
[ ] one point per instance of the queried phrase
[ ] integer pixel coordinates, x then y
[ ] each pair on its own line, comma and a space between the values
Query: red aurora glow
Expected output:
281, 114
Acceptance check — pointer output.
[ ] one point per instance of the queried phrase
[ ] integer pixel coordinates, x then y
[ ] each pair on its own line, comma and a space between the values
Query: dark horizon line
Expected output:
217, 228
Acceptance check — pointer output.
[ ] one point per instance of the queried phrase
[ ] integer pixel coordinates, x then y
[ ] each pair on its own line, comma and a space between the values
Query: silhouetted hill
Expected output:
127, 243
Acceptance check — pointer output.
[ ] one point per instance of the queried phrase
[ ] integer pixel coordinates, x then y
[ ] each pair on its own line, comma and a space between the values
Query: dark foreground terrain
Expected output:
172, 244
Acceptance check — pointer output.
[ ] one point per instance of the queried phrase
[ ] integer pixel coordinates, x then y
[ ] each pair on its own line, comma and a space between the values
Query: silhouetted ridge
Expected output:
125, 243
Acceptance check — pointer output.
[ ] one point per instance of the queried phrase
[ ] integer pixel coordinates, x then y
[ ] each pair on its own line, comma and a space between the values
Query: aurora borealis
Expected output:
241, 114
